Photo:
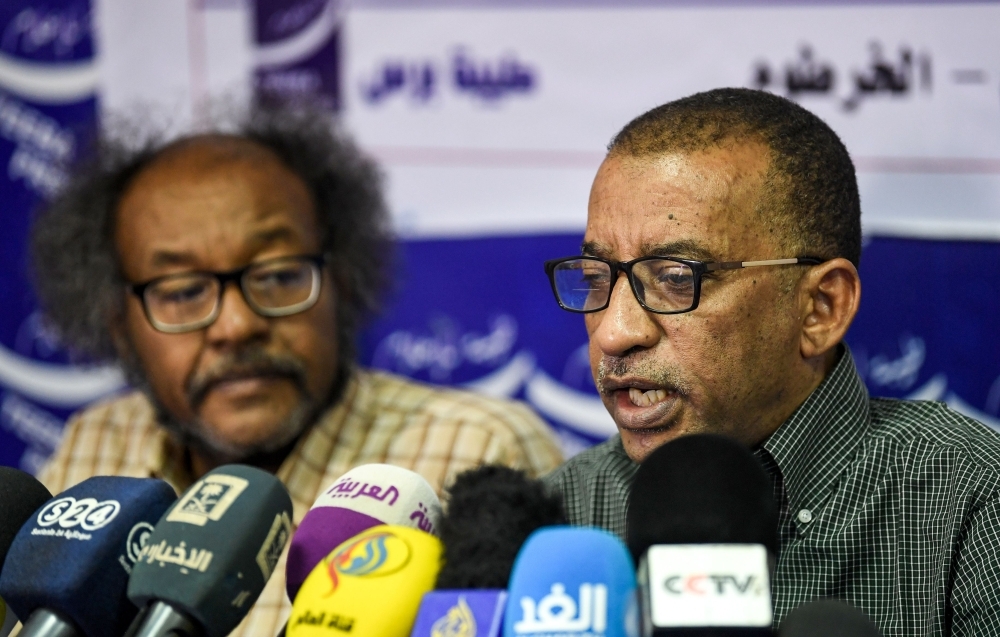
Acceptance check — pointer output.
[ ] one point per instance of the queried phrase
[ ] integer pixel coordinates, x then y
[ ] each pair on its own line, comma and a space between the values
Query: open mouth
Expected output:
641, 405
647, 398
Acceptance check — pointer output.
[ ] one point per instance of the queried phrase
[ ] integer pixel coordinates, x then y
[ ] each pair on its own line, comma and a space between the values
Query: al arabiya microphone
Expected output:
82, 542
20, 496
828, 618
208, 558
366, 496
572, 582
369, 586
702, 527
492, 510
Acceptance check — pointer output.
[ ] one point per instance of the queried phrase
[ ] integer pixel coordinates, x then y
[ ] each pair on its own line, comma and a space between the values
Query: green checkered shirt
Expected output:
893, 506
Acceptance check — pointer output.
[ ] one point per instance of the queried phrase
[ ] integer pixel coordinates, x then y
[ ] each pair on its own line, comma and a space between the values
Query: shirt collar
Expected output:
815, 445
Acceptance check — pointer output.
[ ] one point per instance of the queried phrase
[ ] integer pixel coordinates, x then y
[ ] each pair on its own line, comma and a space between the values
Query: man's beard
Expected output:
250, 360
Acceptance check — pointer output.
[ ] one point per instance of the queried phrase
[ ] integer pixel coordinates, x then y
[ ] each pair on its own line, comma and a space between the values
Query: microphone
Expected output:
828, 618
85, 540
20, 496
369, 586
492, 510
702, 526
209, 557
364, 497
572, 582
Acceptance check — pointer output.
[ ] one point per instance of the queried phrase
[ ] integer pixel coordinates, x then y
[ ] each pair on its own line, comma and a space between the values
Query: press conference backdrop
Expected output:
490, 119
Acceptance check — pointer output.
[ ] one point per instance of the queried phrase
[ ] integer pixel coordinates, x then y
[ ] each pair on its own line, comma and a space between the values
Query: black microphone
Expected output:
20, 496
828, 618
210, 555
80, 544
491, 511
702, 527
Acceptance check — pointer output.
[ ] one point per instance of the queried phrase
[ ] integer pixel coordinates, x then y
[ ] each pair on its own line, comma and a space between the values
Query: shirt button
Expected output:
805, 516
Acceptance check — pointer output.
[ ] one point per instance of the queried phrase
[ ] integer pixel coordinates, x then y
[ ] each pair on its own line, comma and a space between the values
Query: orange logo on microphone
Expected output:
370, 554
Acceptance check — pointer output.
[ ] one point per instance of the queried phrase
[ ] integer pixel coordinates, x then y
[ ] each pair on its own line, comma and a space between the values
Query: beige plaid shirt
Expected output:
436, 432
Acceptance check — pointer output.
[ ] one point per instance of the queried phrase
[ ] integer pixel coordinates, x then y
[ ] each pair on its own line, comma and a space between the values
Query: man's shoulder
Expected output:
110, 437
607, 460
451, 429
931, 430
129, 409
405, 396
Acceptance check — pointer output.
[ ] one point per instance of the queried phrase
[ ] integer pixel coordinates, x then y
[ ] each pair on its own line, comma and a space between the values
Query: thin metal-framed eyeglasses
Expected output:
663, 285
192, 300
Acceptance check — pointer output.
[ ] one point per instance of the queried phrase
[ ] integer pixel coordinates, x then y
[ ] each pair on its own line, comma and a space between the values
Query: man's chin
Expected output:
640, 442
241, 437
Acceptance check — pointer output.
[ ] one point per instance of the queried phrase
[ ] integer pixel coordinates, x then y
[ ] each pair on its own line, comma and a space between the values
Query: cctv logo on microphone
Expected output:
707, 585
208, 499
62, 516
558, 613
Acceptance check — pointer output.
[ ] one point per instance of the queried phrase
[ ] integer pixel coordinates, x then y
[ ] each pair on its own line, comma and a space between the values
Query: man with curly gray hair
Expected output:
228, 273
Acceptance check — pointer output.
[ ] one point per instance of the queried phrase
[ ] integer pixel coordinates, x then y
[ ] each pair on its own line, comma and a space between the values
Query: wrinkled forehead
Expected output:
213, 198
708, 201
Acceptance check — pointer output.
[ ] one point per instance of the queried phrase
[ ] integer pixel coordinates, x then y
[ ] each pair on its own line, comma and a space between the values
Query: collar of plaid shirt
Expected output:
809, 453
893, 506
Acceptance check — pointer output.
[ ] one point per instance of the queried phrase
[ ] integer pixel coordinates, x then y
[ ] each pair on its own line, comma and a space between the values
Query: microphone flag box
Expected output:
701, 585
461, 613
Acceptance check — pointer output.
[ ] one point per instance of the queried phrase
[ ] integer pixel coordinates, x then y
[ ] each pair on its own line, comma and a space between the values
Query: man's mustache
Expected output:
642, 366
244, 363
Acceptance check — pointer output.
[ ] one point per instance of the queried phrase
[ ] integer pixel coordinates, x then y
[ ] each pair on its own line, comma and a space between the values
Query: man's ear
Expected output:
829, 295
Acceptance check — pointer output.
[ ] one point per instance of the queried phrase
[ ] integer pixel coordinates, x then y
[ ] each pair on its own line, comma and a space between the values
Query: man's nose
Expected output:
624, 324
237, 322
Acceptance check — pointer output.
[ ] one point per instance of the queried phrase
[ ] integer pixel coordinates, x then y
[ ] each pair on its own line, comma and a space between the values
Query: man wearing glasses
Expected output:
228, 275
717, 279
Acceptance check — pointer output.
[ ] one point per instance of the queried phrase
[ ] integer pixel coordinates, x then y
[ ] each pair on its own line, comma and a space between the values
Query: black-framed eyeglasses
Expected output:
192, 300
664, 285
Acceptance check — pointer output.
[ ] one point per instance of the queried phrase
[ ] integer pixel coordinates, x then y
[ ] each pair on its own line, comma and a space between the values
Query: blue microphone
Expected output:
461, 613
78, 545
572, 582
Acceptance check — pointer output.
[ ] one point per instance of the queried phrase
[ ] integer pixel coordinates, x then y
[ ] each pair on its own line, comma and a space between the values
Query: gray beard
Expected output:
198, 435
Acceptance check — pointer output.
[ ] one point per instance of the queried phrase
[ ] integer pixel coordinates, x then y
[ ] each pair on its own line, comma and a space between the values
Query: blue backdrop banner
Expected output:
47, 114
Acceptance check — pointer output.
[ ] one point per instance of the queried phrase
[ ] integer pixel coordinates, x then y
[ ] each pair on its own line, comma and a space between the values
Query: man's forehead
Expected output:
213, 196
694, 204
684, 248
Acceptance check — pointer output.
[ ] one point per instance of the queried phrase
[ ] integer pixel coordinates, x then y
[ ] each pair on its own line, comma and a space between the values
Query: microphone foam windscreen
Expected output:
828, 618
369, 586
572, 582
701, 489
491, 512
364, 497
20, 496
214, 550
81, 543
